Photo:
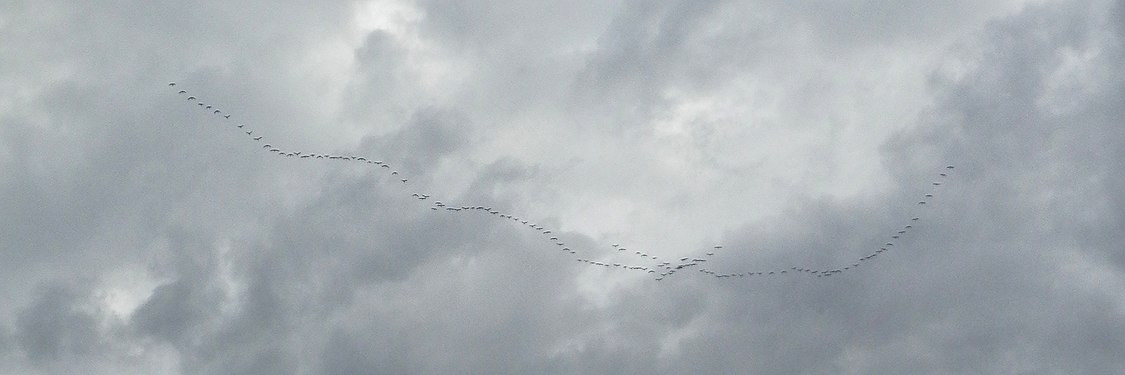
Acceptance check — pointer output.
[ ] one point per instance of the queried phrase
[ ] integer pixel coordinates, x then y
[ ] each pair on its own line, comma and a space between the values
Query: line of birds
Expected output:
657, 267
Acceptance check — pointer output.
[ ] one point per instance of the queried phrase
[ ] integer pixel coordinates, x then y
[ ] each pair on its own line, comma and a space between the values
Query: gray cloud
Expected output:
143, 236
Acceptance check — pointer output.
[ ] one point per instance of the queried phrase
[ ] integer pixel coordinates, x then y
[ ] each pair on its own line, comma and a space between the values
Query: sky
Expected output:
141, 233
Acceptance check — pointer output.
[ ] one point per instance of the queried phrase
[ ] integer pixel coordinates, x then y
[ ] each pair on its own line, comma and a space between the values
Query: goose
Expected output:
217, 111
191, 98
241, 125
404, 180
171, 83
248, 133
949, 167
258, 138
182, 92
226, 116
208, 107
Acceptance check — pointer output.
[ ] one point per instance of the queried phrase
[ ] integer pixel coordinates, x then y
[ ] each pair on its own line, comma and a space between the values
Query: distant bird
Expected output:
207, 107
249, 132
182, 92
201, 104
404, 180
937, 183
949, 167
929, 195
171, 83
394, 172
258, 138
217, 111
710, 253
226, 116
191, 98
921, 202
241, 125
914, 219
718, 246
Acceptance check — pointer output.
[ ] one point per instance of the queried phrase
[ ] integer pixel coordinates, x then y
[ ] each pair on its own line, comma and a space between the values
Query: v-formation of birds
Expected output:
658, 268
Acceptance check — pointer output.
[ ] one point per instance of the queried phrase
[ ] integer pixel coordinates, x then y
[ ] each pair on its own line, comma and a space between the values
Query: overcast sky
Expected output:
140, 233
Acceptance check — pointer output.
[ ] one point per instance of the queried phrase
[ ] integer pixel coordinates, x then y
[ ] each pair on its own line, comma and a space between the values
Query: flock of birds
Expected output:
659, 268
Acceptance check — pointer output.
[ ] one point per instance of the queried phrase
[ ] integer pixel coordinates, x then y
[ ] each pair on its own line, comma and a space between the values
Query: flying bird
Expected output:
182, 92
191, 98
258, 138
171, 83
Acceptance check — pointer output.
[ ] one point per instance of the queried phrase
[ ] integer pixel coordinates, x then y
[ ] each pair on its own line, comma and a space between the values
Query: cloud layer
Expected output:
143, 235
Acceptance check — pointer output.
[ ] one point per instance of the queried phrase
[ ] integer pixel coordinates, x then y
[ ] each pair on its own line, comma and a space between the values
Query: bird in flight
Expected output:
663, 269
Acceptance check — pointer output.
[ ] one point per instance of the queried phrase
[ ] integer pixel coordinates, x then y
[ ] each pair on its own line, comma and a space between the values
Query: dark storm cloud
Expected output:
56, 326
